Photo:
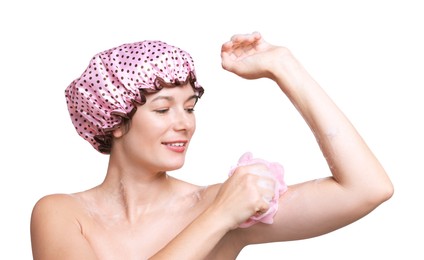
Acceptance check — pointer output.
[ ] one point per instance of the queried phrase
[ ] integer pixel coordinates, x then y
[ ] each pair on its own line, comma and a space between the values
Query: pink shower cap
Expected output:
117, 80
277, 173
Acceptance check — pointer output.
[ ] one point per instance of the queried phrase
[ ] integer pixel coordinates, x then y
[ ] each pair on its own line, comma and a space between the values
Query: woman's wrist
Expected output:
289, 73
219, 218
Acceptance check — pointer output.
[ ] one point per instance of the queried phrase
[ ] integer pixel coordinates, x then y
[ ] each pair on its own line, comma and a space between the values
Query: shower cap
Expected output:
277, 173
117, 80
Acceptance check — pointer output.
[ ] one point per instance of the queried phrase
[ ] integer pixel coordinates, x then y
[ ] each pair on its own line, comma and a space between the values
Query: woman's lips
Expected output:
176, 146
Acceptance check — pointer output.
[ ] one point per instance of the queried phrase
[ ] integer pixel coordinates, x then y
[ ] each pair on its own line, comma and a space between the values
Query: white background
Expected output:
368, 55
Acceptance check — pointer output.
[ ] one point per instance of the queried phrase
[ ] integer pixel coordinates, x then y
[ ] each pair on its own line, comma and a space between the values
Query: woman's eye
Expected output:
162, 111
190, 110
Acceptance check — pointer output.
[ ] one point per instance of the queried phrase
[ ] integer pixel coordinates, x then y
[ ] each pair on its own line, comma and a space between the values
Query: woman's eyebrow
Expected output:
168, 98
195, 97
171, 98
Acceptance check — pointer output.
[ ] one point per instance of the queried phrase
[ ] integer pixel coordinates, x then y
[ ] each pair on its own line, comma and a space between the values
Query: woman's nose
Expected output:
183, 121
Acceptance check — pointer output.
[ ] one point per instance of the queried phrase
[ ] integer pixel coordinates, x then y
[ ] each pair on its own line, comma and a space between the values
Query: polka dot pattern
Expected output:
116, 81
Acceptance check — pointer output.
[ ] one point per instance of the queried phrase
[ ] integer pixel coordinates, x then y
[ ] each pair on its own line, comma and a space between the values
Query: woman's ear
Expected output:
118, 132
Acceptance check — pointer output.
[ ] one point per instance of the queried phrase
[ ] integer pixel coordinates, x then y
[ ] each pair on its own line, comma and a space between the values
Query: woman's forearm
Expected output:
352, 163
197, 240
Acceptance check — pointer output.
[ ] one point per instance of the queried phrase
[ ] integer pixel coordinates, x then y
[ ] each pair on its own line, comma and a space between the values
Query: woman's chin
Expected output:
174, 166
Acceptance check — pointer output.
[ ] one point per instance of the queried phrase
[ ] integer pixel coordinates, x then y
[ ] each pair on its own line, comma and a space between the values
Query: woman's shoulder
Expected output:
55, 214
54, 205
190, 187
56, 200
203, 195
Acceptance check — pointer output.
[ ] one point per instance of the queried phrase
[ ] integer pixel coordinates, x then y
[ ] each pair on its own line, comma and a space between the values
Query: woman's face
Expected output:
161, 129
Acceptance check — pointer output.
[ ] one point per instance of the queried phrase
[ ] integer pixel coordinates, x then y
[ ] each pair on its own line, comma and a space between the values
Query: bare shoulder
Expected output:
53, 203
208, 193
203, 195
54, 210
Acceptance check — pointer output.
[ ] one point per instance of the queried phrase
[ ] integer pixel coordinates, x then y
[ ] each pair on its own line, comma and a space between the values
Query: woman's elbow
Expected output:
381, 192
387, 191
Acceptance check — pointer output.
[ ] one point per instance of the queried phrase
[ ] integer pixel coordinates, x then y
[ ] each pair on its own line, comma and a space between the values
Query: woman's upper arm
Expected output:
308, 210
56, 232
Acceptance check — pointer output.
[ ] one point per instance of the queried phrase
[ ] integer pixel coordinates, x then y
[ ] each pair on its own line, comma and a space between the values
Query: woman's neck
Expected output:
136, 193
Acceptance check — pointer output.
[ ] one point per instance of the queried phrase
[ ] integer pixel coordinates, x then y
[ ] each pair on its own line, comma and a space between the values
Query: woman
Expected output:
139, 212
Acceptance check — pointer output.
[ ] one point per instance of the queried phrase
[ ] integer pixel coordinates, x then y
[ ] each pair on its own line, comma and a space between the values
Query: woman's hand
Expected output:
250, 56
247, 192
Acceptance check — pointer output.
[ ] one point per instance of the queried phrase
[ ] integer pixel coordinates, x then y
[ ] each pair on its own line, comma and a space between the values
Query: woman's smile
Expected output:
177, 146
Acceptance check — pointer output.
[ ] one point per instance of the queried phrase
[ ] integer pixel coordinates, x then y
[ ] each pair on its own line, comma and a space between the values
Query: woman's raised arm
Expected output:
358, 183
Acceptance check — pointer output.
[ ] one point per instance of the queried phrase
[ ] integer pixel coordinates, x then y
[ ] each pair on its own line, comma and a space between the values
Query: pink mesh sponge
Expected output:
276, 172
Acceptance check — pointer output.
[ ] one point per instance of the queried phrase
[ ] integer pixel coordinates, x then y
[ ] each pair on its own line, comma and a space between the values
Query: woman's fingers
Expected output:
248, 192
